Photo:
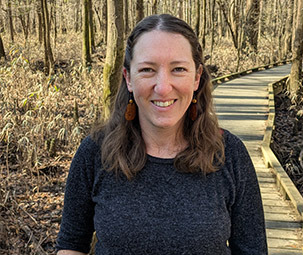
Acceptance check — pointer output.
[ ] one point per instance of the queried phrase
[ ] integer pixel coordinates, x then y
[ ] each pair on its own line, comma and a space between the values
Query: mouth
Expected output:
163, 103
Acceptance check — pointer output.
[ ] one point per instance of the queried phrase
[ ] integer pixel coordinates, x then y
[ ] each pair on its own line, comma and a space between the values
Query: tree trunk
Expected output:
294, 23
2, 26
220, 25
54, 19
297, 52
2, 51
112, 72
25, 24
40, 22
86, 56
197, 14
139, 10
77, 17
155, 7
287, 38
202, 32
91, 27
260, 27
212, 28
126, 20
105, 22
10, 18
233, 23
252, 13
48, 54
180, 9
63, 28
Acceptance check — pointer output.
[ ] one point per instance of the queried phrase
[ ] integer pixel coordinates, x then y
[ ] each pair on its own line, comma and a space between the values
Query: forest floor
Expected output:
36, 111
287, 140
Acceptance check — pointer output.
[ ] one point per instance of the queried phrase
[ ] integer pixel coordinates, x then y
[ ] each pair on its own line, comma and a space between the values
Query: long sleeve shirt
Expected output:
163, 211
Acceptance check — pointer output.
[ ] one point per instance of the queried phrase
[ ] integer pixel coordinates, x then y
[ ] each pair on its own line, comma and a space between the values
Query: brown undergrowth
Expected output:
43, 120
288, 137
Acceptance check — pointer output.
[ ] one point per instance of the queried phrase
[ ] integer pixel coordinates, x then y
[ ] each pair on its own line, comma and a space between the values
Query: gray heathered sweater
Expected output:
163, 211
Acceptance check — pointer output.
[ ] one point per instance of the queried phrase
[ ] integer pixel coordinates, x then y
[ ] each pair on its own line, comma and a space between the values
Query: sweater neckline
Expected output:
160, 160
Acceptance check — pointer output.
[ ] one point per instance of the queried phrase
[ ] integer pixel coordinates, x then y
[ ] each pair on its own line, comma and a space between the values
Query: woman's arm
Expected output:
77, 226
69, 252
248, 236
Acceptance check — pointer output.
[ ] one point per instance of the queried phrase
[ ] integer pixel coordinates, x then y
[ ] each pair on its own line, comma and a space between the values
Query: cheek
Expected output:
187, 87
141, 87
140, 91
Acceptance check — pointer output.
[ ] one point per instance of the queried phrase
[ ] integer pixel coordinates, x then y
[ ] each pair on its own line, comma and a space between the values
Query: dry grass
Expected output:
42, 121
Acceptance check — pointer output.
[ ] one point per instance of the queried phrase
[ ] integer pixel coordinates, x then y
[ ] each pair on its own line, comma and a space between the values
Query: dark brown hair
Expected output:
122, 146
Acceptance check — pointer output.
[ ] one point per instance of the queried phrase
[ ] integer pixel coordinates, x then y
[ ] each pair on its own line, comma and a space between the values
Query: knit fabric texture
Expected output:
163, 211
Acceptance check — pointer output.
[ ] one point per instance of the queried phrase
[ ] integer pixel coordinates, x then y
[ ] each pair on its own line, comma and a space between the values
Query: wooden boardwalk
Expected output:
242, 108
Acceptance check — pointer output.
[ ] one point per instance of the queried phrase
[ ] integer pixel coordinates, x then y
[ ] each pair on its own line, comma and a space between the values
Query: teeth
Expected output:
163, 104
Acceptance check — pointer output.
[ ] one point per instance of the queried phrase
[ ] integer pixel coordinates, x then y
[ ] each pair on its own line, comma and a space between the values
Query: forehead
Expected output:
157, 42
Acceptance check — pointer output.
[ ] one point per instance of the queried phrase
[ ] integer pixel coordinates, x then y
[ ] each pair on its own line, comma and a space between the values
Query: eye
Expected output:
146, 70
179, 69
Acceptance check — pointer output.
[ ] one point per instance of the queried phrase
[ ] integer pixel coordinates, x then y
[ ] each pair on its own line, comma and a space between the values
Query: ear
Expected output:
198, 76
127, 79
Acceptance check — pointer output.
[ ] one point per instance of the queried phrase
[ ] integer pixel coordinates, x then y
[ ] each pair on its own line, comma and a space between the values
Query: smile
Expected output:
163, 104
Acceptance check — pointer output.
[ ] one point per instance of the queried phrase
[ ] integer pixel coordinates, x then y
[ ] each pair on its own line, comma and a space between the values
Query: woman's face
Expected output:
162, 78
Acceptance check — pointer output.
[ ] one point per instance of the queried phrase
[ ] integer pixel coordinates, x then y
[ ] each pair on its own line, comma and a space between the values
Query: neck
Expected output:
163, 143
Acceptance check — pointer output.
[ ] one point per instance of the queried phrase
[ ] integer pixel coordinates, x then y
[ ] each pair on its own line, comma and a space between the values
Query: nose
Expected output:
163, 84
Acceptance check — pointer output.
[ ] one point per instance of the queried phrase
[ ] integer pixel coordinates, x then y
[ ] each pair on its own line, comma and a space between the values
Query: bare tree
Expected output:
294, 23
86, 53
2, 51
10, 18
40, 22
139, 10
91, 27
48, 54
297, 52
252, 13
112, 72
155, 6
77, 16
234, 17
126, 18
202, 23
23, 15
287, 38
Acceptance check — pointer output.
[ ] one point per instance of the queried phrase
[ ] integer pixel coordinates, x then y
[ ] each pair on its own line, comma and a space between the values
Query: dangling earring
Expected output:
130, 112
193, 109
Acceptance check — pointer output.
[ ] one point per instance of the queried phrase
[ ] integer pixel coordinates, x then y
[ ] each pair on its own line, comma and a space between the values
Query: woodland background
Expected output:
61, 64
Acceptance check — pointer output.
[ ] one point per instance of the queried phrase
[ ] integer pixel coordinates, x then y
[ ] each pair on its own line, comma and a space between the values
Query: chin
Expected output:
167, 124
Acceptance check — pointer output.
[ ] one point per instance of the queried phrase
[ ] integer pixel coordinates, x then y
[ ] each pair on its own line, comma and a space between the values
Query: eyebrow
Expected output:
172, 63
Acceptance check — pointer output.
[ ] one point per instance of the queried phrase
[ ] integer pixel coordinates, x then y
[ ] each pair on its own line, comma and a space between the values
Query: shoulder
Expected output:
237, 159
88, 144
232, 143
83, 167
87, 154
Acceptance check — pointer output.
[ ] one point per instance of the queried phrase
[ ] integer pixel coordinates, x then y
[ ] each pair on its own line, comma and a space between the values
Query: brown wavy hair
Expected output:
122, 146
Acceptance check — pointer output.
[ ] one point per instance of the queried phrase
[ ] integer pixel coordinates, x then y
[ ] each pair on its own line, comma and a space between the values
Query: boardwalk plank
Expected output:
283, 243
242, 108
285, 252
282, 233
281, 217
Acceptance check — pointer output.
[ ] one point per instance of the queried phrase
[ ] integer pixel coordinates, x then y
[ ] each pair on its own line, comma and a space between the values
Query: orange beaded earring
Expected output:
193, 110
130, 112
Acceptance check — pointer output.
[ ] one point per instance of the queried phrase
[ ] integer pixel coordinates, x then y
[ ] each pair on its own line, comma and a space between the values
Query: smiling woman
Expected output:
163, 79
163, 178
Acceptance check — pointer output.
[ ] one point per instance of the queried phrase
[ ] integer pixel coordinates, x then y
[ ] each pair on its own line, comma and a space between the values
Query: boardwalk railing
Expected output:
283, 182
231, 76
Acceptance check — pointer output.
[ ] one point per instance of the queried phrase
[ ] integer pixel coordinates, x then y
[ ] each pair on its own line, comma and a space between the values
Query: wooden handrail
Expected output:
231, 76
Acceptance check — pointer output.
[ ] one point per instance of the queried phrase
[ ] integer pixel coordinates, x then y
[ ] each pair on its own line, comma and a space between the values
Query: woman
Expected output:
160, 177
